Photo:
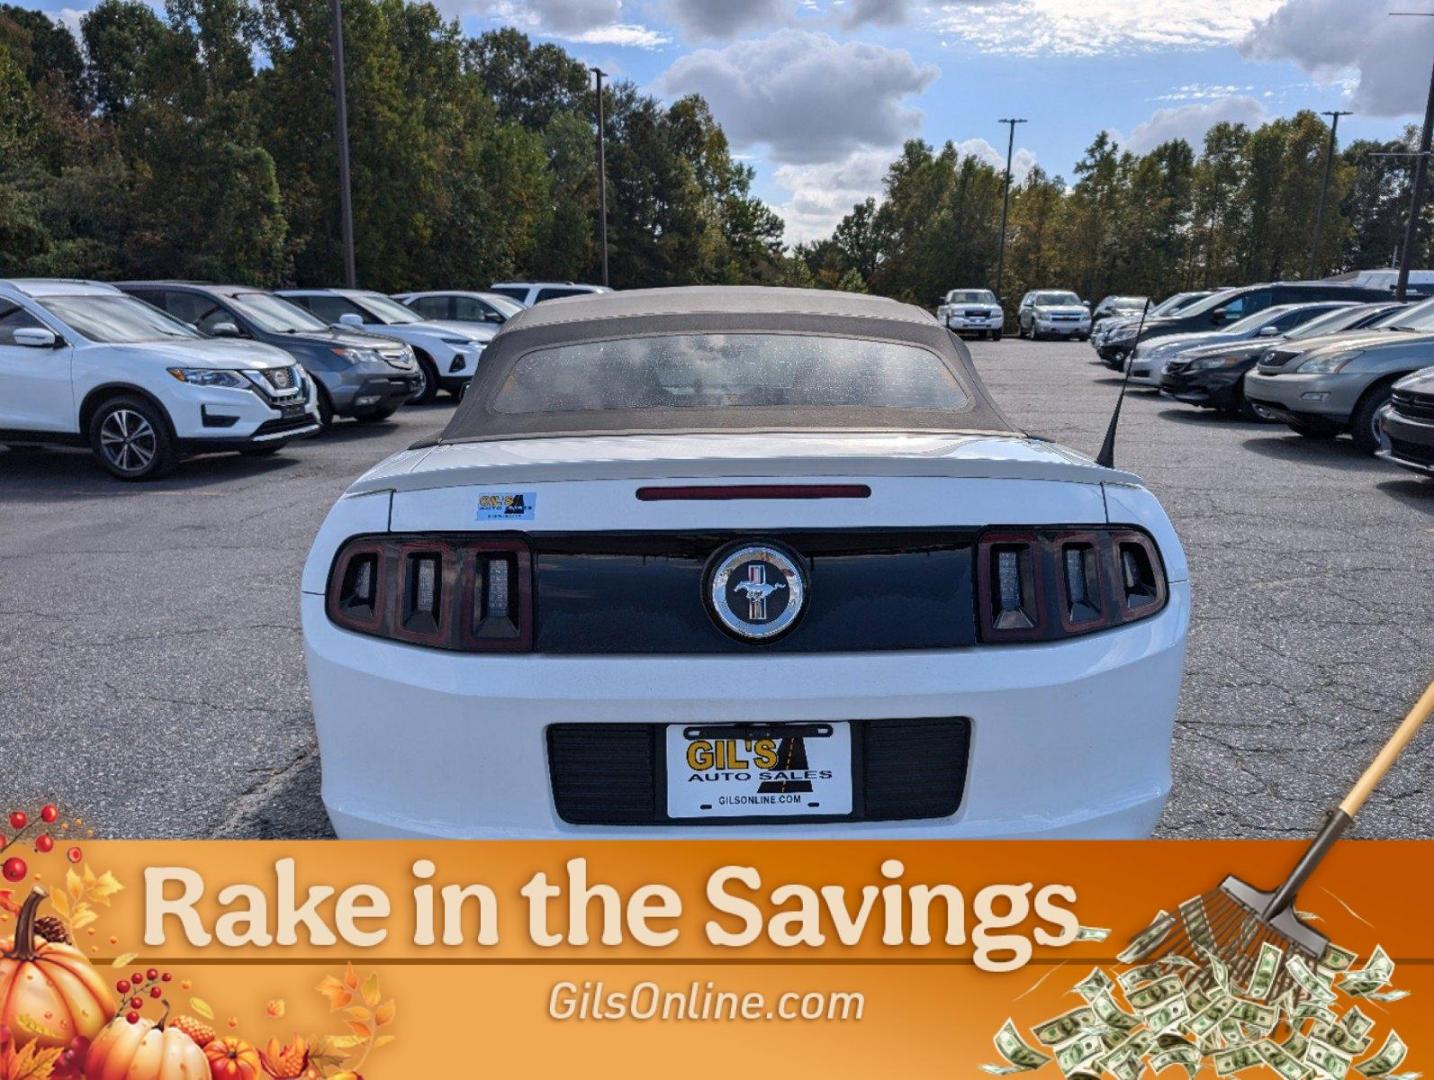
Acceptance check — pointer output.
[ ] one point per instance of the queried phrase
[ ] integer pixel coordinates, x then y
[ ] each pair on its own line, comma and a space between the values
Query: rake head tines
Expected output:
1228, 927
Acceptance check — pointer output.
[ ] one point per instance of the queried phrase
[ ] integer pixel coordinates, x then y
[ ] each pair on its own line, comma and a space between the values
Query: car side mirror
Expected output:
1269, 331
493, 317
224, 329
1087, 304
35, 337
351, 319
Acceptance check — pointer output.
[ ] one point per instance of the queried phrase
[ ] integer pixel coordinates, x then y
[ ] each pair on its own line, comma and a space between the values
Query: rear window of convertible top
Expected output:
711, 371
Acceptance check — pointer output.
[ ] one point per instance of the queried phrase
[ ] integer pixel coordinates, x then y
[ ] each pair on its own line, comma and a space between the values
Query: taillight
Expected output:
468, 595
1046, 584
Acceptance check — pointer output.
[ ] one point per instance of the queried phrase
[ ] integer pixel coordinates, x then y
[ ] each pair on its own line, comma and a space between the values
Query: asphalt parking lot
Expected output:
151, 673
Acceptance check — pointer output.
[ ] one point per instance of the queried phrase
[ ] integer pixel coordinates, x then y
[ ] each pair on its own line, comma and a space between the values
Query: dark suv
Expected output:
357, 374
1229, 305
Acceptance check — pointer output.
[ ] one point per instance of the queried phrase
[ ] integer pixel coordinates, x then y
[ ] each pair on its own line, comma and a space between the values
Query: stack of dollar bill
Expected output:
1191, 1011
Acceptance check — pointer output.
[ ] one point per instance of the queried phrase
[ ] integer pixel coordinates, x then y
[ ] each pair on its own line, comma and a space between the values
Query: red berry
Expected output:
166, 977
137, 978
44, 843
155, 991
14, 869
48, 813
18, 820
132, 1017
136, 1003
152, 974
122, 986
74, 854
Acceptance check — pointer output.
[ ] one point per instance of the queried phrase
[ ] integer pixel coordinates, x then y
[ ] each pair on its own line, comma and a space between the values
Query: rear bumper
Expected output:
1070, 739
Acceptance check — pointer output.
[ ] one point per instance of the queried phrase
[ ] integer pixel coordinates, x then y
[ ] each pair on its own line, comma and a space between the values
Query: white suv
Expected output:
529, 293
972, 311
447, 352
81, 364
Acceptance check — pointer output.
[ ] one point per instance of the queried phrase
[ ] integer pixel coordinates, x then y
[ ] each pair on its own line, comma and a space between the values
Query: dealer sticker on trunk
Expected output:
508, 506
776, 770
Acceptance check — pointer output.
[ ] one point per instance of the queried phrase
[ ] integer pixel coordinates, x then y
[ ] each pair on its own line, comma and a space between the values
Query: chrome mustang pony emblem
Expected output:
763, 583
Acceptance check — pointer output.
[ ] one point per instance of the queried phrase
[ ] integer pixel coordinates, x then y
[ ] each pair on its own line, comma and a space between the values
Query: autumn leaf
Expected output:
371, 993
276, 1008
123, 960
61, 903
74, 885
26, 1022
202, 1007
351, 979
383, 1040
363, 1031
337, 993
31, 1062
359, 1013
384, 1014
7, 902
340, 1042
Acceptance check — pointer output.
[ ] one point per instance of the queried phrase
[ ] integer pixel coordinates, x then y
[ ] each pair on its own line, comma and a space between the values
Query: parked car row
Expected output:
1324, 358
148, 372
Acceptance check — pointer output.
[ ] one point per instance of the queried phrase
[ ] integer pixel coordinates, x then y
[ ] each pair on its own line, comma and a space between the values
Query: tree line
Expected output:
1243, 210
200, 143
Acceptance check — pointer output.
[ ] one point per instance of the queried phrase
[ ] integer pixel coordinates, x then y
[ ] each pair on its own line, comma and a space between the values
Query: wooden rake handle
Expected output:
1341, 819
1387, 755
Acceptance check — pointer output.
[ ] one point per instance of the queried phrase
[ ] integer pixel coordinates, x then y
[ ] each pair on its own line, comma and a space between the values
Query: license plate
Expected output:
758, 770
288, 412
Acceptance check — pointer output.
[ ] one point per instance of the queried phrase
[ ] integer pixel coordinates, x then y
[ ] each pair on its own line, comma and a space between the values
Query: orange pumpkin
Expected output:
49, 994
232, 1059
144, 1051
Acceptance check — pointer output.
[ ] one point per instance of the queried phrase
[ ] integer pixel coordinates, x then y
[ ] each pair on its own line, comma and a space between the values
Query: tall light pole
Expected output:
1011, 123
341, 101
1334, 115
602, 172
1416, 197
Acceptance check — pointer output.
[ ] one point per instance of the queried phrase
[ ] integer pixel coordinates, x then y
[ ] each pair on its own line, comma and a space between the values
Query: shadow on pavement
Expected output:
1412, 492
1340, 454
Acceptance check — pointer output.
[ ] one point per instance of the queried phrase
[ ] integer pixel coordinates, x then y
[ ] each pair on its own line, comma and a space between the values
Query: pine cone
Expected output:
52, 929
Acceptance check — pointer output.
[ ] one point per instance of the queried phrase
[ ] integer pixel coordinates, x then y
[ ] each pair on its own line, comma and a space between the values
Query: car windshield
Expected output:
1330, 321
276, 315
1052, 299
1416, 317
1127, 303
1251, 323
115, 320
971, 296
1178, 302
1214, 300
502, 304
389, 312
721, 371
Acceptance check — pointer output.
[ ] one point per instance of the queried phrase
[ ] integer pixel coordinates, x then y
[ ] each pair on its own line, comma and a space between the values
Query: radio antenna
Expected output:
1106, 457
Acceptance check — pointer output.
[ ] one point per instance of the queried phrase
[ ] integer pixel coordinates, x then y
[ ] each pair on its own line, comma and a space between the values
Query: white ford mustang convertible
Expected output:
742, 561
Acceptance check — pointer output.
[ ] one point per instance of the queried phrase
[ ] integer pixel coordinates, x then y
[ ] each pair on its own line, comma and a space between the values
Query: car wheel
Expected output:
130, 438
995, 335
326, 409
375, 416
1363, 424
427, 388
1314, 429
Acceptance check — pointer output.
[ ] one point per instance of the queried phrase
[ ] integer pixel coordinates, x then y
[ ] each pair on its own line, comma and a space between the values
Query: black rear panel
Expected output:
612, 774
610, 593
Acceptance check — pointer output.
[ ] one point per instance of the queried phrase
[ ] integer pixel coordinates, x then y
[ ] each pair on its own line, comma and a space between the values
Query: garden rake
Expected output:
1231, 923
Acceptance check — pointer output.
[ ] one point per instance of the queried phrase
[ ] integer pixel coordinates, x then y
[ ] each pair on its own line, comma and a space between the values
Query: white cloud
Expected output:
1093, 27
822, 194
590, 22
1022, 160
1190, 122
807, 97
1382, 60
705, 20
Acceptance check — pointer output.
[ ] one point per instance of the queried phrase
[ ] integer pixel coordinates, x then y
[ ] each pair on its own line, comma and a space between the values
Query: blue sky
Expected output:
818, 94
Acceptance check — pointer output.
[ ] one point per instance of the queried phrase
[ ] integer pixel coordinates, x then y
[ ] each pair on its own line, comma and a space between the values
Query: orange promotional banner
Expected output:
634, 959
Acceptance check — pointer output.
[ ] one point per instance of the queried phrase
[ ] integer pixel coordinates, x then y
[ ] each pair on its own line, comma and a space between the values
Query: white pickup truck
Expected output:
972, 311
